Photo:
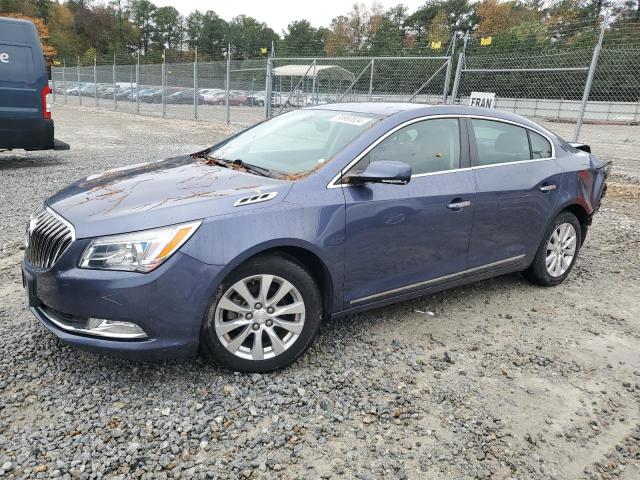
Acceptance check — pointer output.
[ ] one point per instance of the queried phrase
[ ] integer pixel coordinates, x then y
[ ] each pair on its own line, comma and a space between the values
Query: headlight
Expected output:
137, 251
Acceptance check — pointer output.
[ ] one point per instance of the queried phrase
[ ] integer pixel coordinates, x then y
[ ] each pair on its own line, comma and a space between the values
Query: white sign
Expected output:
482, 99
4, 57
350, 119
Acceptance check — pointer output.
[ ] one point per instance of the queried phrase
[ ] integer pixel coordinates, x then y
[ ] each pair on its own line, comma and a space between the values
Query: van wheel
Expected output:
264, 315
557, 252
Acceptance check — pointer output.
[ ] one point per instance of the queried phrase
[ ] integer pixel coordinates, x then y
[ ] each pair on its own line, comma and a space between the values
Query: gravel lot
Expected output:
499, 379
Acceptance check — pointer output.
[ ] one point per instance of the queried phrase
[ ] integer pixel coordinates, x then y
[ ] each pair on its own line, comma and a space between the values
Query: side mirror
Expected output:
391, 172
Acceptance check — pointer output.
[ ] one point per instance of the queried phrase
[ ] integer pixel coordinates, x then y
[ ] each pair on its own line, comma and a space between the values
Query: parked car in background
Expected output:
151, 95
184, 97
235, 99
209, 95
25, 105
243, 248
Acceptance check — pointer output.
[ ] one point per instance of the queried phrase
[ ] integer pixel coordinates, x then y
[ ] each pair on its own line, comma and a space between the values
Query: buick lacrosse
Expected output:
242, 249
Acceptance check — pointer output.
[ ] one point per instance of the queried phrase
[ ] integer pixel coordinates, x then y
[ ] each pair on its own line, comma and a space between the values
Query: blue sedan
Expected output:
242, 249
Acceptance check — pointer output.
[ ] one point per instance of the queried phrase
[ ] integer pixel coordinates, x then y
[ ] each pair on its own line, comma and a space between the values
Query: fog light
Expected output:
110, 328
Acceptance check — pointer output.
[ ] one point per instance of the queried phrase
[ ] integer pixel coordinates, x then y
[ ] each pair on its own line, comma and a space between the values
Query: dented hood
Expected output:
156, 194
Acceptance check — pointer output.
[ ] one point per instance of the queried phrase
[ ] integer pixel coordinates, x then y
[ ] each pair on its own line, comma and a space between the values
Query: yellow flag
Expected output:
484, 41
263, 50
436, 45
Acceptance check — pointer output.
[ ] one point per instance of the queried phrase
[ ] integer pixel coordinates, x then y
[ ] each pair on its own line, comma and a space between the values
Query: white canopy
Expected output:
332, 71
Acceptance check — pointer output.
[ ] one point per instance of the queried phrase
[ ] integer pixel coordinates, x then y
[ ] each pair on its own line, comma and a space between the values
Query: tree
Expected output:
207, 31
302, 39
62, 34
142, 17
249, 36
169, 28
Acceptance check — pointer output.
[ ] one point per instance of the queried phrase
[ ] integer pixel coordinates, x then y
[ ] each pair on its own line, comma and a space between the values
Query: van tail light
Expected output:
46, 102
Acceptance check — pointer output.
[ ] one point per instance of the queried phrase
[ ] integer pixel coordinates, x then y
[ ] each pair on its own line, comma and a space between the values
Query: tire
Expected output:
551, 266
282, 338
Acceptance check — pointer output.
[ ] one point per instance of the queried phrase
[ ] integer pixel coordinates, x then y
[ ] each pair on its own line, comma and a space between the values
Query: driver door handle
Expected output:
459, 205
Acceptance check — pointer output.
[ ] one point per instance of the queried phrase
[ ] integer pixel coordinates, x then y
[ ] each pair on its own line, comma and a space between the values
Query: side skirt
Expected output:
510, 268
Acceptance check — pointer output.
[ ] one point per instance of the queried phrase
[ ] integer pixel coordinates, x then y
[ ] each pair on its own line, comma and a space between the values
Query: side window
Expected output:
428, 146
500, 142
540, 146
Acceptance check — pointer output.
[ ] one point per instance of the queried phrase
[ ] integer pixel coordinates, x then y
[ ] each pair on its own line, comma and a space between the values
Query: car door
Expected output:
398, 236
518, 183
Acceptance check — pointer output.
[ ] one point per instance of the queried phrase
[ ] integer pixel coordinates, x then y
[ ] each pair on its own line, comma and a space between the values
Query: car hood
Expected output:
161, 193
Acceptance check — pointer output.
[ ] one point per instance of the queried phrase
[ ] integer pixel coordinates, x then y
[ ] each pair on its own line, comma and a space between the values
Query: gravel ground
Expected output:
499, 379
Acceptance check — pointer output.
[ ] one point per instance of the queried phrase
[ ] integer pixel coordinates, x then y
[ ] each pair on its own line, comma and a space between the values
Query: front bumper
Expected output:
168, 303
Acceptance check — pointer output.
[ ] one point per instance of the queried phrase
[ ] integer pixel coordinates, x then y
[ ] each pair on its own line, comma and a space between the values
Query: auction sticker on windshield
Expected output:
350, 119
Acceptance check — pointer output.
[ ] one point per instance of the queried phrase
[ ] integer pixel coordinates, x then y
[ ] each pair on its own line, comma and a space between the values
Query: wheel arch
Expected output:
581, 214
303, 254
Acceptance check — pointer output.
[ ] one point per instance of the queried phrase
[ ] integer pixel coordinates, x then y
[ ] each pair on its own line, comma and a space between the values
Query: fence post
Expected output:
227, 85
461, 61
64, 79
373, 60
195, 85
313, 83
447, 76
164, 83
456, 81
269, 87
115, 98
79, 85
138, 84
95, 79
592, 71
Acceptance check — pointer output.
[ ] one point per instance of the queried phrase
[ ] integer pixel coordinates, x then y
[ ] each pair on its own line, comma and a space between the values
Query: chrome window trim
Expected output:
333, 183
434, 281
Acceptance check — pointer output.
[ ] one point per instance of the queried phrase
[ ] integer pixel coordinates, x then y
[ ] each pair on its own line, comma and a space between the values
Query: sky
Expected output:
278, 14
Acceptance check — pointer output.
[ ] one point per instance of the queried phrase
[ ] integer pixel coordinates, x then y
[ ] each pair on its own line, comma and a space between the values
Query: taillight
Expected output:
46, 102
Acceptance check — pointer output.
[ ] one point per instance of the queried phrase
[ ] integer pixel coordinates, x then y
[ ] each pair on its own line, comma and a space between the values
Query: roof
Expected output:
387, 109
375, 108
308, 71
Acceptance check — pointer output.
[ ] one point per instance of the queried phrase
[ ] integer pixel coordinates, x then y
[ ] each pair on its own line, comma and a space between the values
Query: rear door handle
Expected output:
548, 188
457, 206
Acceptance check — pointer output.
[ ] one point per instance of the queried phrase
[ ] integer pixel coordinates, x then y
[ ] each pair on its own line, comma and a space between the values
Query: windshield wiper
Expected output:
265, 172
217, 161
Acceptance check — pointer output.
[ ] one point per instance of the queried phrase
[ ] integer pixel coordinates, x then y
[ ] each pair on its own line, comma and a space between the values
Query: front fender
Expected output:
318, 227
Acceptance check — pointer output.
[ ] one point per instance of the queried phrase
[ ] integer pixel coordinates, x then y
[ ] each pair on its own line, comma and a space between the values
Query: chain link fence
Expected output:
301, 82
588, 72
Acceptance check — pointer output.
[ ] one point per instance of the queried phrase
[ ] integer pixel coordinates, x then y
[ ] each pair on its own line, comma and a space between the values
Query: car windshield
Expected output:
296, 142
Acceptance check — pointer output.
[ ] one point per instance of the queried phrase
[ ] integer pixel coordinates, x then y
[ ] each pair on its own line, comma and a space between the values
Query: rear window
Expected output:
540, 146
500, 142
16, 64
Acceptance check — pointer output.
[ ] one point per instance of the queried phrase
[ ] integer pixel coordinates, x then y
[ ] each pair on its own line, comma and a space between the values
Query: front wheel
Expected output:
265, 314
558, 251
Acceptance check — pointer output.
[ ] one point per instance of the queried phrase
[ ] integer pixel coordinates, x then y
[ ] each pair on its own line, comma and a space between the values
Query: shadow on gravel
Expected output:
334, 341
9, 161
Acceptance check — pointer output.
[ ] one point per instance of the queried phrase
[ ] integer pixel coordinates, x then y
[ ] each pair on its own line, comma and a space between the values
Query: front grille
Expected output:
48, 236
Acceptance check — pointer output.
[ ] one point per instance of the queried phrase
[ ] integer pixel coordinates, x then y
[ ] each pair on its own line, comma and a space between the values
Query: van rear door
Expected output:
19, 94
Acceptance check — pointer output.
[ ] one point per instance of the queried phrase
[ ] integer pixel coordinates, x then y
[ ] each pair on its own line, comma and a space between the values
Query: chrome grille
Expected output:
48, 236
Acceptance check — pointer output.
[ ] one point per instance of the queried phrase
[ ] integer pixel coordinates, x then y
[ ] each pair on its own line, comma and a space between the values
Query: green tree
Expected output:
207, 31
142, 17
169, 28
302, 39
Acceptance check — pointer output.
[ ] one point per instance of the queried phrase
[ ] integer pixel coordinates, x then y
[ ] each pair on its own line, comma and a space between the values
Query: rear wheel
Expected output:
558, 251
264, 316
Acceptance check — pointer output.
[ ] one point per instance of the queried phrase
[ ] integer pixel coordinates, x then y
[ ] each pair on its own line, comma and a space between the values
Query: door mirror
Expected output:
392, 172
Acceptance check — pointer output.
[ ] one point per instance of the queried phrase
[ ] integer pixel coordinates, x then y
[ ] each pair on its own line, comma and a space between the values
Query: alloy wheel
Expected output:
259, 317
561, 249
